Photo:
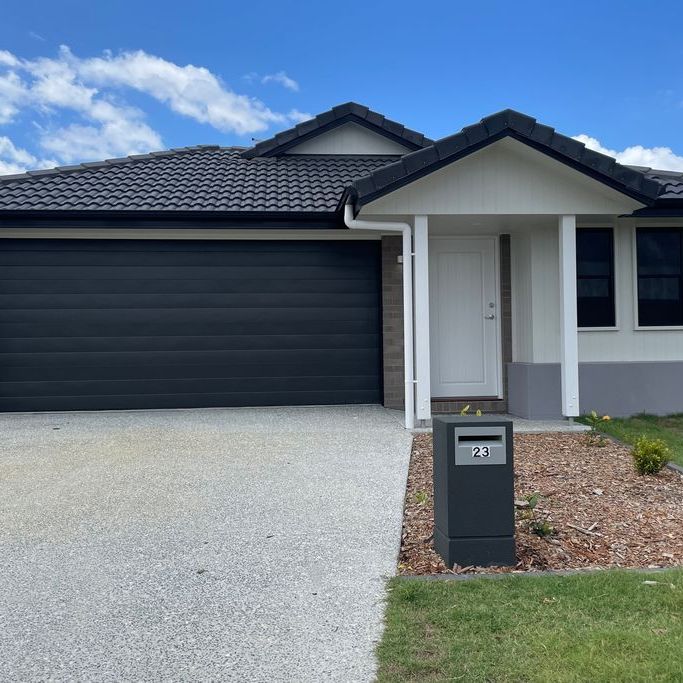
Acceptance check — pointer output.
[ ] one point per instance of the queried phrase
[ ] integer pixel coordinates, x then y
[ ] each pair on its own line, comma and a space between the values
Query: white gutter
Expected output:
351, 222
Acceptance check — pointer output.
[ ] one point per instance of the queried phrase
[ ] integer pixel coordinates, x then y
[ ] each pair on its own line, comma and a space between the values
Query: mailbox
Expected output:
474, 514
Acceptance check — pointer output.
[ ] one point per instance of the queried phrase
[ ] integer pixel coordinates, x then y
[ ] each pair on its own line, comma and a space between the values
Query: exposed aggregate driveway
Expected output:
220, 544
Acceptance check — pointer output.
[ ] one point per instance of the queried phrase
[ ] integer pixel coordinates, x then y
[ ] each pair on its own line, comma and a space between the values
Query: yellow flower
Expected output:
606, 418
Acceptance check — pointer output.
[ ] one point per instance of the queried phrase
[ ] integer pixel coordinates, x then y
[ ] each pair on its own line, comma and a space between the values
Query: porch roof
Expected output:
632, 181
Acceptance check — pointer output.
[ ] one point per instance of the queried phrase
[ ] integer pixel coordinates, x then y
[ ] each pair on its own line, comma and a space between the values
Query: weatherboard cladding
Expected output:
210, 179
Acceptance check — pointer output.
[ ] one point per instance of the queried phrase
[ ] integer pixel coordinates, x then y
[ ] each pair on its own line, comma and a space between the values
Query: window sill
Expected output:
660, 328
598, 329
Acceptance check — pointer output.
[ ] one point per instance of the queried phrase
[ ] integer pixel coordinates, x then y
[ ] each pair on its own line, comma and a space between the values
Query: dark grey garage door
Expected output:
104, 324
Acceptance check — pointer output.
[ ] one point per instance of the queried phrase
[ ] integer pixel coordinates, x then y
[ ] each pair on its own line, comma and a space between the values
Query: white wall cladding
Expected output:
522, 332
507, 177
349, 138
535, 297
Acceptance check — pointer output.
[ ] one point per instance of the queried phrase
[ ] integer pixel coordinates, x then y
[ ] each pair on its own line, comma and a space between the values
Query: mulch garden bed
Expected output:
603, 513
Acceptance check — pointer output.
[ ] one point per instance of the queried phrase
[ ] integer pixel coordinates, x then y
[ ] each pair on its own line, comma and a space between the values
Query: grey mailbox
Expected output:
474, 514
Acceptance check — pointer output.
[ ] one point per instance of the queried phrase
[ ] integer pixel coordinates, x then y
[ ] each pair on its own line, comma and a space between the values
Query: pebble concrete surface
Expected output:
198, 545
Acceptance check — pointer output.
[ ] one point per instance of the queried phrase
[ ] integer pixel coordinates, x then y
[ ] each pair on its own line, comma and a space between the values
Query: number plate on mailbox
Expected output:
480, 446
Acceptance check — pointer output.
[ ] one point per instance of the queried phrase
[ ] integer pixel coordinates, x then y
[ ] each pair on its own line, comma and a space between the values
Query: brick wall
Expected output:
392, 322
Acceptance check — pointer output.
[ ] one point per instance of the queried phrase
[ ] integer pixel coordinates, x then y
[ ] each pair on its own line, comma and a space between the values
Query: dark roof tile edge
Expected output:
341, 113
491, 128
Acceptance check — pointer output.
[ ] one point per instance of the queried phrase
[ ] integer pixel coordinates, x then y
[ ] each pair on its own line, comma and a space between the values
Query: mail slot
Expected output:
474, 521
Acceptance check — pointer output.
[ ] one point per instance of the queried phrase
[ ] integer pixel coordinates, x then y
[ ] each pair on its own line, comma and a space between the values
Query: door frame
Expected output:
498, 309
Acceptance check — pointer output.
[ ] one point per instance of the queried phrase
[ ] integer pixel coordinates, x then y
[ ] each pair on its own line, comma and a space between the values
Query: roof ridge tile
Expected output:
348, 112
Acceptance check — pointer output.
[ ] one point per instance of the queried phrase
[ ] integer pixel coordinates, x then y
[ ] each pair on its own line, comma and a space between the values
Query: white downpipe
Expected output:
404, 228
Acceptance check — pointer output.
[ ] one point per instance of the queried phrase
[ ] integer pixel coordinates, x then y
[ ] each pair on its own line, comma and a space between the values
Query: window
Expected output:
660, 276
595, 277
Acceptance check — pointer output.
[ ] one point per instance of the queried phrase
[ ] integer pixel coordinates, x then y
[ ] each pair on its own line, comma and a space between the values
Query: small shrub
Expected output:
650, 455
421, 497
542, 528
595, 437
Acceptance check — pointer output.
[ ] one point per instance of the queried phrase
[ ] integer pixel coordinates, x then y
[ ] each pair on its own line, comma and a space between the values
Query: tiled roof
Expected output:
202, 178
409, 167
212, 179
337, 116
671, 182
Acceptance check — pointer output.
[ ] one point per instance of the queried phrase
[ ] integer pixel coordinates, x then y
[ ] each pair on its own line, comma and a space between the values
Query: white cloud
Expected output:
14, 159
189, 90
281, 78
662, 158
111, 139
8, 59
80, 98
299, 116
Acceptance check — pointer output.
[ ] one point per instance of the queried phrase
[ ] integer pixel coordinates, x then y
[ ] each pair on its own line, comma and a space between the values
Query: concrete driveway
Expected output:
222, 544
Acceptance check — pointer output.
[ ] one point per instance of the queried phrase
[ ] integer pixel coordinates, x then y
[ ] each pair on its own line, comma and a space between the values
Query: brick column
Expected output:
392, 321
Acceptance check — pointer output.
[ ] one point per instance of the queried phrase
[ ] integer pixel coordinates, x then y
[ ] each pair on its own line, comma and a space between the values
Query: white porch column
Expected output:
423, 394
569, 339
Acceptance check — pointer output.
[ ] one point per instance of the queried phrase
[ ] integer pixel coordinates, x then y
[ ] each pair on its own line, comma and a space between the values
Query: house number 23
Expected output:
481, 452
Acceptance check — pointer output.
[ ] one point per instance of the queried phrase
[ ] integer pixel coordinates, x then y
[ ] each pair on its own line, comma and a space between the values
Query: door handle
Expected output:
490, 317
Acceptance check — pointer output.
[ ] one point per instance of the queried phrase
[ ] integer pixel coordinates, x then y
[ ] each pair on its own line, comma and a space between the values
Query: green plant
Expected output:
650, 455
542, 528
532, 499
595, 437
421, 497
466, 410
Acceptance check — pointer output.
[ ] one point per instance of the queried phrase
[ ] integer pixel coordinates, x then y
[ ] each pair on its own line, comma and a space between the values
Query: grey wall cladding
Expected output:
616, 389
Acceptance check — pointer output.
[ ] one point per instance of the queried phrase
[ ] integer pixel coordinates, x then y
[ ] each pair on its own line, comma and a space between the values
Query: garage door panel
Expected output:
86, 300
182, 260
143, 358
32, 345
181, 272
255, 247
201, 400
186, 385
152, 328
188, 316
110, 324
335, 366
201, 286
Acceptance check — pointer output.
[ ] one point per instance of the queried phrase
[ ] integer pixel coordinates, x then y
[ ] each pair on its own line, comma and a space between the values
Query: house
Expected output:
347, 260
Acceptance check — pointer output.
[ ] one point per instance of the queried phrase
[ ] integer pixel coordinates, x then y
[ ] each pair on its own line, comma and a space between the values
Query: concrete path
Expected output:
238, 544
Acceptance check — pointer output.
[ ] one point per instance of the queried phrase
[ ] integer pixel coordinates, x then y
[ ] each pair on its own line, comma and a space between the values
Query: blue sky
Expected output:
83, 80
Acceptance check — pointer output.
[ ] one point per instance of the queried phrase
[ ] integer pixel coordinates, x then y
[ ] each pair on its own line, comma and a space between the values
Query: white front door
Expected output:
464, 317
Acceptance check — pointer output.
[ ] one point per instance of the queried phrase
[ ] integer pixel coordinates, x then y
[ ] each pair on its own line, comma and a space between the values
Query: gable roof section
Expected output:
628, 180
351, 112
204, 180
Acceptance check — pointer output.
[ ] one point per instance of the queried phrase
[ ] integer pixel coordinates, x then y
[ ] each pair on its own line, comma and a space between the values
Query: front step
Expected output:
443, 406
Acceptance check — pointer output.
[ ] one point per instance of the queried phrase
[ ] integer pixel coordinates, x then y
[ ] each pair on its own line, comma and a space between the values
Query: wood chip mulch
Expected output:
603, 513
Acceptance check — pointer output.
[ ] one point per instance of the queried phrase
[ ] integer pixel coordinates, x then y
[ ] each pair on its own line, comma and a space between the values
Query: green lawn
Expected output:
668, 428
607, 626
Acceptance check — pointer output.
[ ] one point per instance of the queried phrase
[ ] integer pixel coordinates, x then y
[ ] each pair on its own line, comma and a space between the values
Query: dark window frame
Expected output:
637, 275
610, 277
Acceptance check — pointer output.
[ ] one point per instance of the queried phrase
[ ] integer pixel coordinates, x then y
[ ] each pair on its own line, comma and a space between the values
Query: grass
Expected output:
607, 626
668, 428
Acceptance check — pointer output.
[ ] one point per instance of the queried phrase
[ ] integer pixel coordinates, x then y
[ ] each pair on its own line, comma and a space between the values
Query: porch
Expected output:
473, 329
480, 294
